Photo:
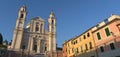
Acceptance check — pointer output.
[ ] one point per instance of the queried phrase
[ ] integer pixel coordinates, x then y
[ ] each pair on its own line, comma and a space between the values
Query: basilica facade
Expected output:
33, 37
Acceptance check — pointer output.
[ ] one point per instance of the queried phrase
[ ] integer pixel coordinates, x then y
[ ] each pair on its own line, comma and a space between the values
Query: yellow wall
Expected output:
82, 43
69, 48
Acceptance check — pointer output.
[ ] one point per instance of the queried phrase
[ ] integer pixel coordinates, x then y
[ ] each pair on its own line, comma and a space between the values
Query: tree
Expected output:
1, 39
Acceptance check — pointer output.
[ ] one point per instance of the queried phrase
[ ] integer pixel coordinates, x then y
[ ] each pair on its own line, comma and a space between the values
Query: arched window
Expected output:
35, 48
35, 44
41, 28
46, 48
37, 27
52, 22
21, 16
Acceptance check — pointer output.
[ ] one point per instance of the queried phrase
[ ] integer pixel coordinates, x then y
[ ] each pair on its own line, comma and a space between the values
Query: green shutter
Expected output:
107, 32
98, 35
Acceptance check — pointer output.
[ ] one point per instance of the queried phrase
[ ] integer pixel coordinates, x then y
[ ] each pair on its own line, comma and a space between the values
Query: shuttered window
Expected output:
98, 36
107, 32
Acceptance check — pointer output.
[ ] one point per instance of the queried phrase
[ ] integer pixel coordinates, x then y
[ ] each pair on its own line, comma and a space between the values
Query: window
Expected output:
98, 36
112, 46
23, 47
86, 46
45, 48
41, 28
90, 43
52, 22
107, 32
76, 41
37, 27
72, 50
81, 48
35, 48
21, 16
84, 37
102, 49
77, 50
88, 34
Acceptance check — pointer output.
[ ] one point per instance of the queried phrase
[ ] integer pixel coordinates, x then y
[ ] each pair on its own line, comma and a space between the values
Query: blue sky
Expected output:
73, 16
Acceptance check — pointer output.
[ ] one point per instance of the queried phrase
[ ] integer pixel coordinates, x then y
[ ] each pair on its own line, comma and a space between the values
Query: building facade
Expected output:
64, 49
101, 40
34, 38
81, 46
107, 37
84, 45
69, 47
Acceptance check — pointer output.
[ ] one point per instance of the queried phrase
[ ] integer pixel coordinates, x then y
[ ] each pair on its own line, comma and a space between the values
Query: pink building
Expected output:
107, 37
64, 49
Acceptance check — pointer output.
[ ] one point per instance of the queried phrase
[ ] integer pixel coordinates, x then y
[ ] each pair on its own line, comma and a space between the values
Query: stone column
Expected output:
38, 45
42, 46
50, 46
31, 45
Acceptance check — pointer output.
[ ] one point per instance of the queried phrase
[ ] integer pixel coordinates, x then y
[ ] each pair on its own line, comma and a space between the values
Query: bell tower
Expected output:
19, 28
52, 33
21, 17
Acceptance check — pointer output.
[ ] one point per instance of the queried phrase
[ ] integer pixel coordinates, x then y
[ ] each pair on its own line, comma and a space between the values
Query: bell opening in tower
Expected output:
21, 16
